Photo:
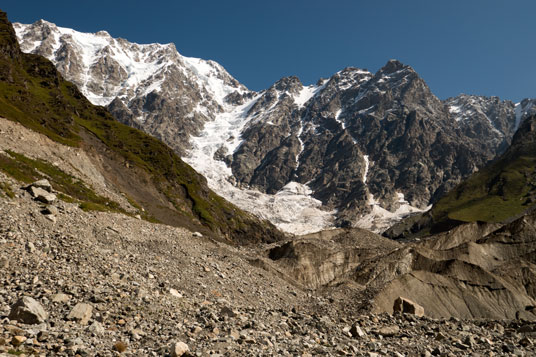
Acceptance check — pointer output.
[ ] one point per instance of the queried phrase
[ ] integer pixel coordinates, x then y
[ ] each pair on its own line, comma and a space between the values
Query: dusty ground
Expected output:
150, 286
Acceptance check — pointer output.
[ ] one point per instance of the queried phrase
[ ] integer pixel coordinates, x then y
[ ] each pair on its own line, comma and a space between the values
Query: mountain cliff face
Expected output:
151, 87
489, 117
360, 149
160, 185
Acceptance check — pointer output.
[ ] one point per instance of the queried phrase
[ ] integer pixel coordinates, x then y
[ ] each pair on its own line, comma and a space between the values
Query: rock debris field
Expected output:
75, 283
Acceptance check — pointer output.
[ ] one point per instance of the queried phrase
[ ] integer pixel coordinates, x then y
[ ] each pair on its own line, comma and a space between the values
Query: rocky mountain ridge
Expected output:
357, 149
145, 86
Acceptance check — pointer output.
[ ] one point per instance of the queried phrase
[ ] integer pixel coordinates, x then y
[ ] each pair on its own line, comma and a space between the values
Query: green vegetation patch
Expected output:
72, 189
495, 194
33, 93
5, 189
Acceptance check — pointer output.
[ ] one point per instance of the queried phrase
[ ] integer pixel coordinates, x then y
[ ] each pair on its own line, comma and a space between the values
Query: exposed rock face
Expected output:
489, 117
150, 87
322, 259
361, 140
499, 192
153, 176
472, 271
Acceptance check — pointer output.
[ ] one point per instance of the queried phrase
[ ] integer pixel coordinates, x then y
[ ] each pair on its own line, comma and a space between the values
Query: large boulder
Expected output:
407, 306
27, 310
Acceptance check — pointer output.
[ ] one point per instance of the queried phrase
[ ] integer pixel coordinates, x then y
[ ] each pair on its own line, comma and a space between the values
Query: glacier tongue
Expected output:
292, 209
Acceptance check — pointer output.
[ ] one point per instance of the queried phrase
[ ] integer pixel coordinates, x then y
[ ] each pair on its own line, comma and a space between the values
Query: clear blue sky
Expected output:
485, 47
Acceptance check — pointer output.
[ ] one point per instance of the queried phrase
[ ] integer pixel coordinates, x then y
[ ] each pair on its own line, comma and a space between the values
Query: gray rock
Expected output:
407, 306
175, 293
60, 298
27, 310
389, 331
81, 312
356, 331
43, 184
179, 349
41, 195
97, 328
4, 263
50, 210
30, 247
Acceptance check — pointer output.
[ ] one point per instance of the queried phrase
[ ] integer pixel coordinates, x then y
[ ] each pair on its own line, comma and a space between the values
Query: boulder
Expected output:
42, 195
407, 306
44, 184
389, 331
356, 331
179, 349
27, 310
81, 313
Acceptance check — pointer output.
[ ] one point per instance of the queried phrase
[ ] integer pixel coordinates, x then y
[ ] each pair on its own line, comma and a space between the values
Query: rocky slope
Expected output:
101, 283
499, 192
155, 181
357, 149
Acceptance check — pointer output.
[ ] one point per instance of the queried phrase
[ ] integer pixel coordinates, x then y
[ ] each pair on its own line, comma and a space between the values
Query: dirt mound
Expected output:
476, 270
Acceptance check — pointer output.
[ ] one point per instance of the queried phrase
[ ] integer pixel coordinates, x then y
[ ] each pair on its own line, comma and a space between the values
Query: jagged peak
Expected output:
103, 33
9, 46
43, 22
393, 66
354, 70
290, 83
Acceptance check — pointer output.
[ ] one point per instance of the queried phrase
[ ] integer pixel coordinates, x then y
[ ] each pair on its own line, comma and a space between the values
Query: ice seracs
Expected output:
292, 209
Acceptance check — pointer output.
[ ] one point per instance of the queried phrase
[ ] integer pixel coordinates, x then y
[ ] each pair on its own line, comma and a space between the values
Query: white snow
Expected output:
523, 110
208, 74
292, 209
301, 145
455, 109
379, 219
306, 93
337, 118
144, 64
519, 112
367, 165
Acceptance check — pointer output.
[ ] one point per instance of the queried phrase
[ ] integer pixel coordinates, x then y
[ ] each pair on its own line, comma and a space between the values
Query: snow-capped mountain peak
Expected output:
105, 68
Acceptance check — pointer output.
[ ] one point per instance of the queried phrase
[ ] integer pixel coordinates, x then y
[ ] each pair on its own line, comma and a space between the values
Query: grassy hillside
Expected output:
34, 94
502, 190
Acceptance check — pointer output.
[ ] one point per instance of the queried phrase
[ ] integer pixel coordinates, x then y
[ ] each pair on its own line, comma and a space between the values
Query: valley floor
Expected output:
151, 286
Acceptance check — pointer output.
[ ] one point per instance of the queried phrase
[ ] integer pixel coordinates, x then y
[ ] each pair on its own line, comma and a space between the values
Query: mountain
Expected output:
87, 271
357, 149
157, 182
490, 117
150, 87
